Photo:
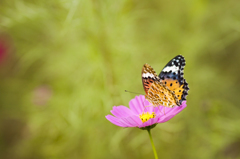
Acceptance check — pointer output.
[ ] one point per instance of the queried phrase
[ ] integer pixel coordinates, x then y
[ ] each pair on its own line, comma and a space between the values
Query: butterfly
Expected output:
169, 88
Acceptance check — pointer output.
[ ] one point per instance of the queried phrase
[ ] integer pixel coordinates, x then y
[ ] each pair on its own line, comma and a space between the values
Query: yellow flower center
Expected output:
146, 116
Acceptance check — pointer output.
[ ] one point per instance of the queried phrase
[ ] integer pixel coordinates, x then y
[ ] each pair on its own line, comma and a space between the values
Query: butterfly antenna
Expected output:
131, 92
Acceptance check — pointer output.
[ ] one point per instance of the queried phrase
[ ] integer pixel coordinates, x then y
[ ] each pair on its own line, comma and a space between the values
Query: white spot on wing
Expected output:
145, 75
171, 68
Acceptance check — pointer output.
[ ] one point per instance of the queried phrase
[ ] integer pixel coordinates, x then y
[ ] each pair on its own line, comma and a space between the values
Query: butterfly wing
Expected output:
148, 77
172, 77
159, 94
156, 92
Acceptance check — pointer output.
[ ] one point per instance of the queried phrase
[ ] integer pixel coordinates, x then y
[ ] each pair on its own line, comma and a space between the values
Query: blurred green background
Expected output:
64, 64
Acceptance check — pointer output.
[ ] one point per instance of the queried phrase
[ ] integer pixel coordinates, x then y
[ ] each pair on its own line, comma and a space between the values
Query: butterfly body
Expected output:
169, 88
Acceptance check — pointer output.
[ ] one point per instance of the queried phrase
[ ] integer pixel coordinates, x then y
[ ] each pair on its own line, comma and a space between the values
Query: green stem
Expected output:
154, 150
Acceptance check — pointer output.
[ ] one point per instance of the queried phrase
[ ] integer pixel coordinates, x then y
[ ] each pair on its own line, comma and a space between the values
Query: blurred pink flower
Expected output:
41, 95
3, 48
141, 116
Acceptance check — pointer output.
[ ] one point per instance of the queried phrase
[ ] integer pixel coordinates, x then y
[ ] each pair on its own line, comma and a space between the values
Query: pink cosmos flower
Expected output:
141, 114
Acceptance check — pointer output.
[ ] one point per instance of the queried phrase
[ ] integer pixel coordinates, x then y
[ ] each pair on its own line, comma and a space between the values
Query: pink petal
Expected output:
176, 109
138, 104
121, 111
147, 123
150, 109
165, 118
171, 112
132, 121
158, 110
114, 120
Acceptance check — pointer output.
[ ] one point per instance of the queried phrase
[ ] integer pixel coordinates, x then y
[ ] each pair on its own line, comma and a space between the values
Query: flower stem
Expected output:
154, 150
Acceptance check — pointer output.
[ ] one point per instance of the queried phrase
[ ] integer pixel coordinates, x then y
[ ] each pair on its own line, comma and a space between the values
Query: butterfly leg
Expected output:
159, 109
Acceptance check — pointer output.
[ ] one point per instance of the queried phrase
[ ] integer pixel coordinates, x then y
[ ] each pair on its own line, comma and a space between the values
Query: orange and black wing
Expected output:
172, 77
159, 94
148, 77
156, 92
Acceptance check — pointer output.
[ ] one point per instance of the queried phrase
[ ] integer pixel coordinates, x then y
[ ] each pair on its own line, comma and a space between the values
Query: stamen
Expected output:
146, 116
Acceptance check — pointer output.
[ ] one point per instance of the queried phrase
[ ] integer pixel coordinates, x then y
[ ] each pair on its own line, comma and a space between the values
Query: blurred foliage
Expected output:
64, 64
